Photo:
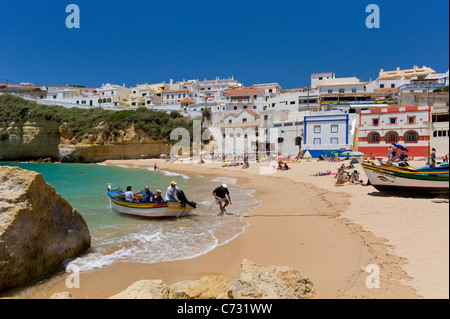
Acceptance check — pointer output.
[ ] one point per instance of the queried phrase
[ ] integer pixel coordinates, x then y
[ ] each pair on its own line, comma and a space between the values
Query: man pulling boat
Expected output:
223, 198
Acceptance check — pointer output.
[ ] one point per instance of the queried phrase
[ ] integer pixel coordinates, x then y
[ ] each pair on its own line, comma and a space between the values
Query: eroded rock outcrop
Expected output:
39, 229
253, 282
272, 282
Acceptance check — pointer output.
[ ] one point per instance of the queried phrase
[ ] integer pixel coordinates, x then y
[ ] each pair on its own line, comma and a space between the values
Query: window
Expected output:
266, 117
288, 124
334, 140
354, 90
292, 102
330, 91
235, 108
255, 97
254, 107
245, 107
411, 137
393, 137
316, 128
230, 121
317, 141
373, 138
393, 85
392, 120
375, 122
381, 86
411, 119
244, 120
341, 90
334, 128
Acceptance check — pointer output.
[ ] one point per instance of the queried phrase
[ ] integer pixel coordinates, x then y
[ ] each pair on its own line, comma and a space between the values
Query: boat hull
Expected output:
413, 170
384, 179
150, 210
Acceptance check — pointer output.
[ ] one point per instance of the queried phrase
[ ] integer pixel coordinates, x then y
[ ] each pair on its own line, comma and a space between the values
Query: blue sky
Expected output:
147, 41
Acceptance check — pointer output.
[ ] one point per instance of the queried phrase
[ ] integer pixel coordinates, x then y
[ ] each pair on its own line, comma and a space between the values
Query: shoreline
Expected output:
311, 231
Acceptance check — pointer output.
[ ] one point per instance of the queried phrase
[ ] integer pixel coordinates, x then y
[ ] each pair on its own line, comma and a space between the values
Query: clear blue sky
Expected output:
147, 41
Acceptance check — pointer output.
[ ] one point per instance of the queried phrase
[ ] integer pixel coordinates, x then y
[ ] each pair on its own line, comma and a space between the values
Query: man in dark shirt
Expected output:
223, 198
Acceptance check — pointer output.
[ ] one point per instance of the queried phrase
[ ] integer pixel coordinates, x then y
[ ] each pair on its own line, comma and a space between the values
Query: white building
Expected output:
295, 100
111, 95
246, 99
406, 125
329, 131
73, 96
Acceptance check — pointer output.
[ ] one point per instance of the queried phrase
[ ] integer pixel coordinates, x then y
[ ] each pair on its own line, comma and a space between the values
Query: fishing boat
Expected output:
393, 179
146, 210
439, 169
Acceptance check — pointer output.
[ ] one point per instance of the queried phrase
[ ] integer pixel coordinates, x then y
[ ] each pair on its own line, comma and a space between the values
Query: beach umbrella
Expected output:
307, 155
346, 153
282, 156
400, 147
357, 154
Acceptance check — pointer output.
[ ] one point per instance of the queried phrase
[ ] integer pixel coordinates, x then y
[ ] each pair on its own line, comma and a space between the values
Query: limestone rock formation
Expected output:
30, 140
145, 289
253, 282
272, 282
209, 287
39, 229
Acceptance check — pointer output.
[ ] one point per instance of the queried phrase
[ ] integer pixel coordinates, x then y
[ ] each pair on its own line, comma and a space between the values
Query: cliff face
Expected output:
47, 139
39, 229
30, 140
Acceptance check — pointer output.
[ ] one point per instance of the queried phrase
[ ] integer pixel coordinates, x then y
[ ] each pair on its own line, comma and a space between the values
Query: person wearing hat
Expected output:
157, 198
171, 193
222, 196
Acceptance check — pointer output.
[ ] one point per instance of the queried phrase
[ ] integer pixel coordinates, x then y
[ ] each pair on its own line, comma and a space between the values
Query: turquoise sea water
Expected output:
120, 238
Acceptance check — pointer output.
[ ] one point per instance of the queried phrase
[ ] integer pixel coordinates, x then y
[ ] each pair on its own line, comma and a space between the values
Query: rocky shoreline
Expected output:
252, 282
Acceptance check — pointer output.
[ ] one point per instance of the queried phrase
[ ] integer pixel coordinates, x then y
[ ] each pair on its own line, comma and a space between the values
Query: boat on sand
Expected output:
385, 178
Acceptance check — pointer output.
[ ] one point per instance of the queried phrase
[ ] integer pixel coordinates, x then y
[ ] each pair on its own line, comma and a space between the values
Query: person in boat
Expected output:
129, 196
171, 192
403, 158
183, 199
157, 198
146, 194
222, 196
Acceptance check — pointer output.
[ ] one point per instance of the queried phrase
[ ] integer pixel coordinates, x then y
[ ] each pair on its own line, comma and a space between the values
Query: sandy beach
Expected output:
329, 234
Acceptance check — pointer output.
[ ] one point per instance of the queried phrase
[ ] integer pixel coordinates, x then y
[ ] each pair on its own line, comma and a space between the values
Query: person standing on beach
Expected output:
433, 157
222, 196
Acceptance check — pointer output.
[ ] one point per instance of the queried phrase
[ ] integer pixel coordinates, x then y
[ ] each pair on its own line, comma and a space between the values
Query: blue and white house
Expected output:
329, 131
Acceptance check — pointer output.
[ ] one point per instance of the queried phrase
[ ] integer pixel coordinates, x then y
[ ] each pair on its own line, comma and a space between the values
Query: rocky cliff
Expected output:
40, 139
39, 229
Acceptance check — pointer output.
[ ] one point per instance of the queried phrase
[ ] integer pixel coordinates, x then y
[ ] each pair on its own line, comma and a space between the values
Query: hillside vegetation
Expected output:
157, 124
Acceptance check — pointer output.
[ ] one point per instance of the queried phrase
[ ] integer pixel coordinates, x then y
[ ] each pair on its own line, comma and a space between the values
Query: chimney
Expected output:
398, 68
415, 67
381, 70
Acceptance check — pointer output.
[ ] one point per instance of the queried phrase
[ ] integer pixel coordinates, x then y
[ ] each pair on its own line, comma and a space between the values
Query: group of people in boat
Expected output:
173, 194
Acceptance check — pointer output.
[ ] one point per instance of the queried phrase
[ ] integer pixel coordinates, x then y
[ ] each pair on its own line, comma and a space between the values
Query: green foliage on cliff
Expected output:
157, 124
